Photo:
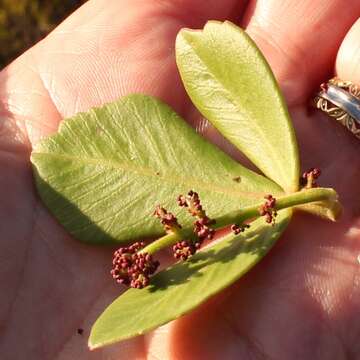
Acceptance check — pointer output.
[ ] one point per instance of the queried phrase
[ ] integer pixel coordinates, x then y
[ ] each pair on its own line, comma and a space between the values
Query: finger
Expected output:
300, 39
348, 58
92, 59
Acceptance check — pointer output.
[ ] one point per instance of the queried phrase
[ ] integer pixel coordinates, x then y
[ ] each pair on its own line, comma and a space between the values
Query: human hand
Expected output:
300, 302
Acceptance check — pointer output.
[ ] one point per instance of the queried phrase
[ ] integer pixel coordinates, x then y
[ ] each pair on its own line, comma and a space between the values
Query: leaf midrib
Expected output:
190, 182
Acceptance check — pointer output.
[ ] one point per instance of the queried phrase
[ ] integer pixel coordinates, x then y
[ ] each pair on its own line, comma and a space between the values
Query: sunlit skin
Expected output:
301, 302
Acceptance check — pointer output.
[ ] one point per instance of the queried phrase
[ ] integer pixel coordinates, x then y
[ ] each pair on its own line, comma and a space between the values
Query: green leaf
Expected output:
180, 288
230, 82
104, 172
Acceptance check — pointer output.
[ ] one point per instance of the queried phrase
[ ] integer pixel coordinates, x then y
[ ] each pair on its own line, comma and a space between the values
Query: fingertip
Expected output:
158, 343
348, 57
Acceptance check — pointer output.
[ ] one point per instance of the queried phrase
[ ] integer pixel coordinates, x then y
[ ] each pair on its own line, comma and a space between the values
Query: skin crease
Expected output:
300, 302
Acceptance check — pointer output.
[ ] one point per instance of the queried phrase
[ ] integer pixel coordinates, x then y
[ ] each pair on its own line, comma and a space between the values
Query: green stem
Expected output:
163, 242
282, 202
250, 212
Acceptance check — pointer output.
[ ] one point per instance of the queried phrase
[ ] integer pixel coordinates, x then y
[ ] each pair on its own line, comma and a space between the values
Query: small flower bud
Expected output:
182, 201
236, 229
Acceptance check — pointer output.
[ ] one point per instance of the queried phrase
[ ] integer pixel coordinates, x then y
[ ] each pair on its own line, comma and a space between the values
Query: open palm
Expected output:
301, 302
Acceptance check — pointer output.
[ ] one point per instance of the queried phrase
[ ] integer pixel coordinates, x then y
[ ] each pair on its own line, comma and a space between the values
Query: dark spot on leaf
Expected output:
237, 179
157, 173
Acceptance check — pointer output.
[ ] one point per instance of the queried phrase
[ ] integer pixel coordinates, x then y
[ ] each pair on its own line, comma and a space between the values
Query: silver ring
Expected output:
341, 100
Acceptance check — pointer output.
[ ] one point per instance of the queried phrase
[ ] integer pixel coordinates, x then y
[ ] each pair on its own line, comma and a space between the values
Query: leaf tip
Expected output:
91, 347
328, 209
186, 35
336, 211
94, 344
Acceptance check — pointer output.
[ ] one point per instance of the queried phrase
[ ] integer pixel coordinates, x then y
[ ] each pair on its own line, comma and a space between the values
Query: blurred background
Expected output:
25, 22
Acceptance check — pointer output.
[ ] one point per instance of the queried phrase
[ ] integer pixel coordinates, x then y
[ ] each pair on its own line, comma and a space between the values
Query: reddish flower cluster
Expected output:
268, 209
236, 229
167, 219
184, 249
202, 224
308, 178
132, 268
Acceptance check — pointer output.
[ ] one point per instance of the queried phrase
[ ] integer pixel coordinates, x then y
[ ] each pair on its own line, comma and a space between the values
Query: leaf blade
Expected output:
191, 283
104, 172
230, 82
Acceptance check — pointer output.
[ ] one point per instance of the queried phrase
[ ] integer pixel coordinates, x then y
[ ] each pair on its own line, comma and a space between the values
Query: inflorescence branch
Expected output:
308, 178
268, 209
201, 226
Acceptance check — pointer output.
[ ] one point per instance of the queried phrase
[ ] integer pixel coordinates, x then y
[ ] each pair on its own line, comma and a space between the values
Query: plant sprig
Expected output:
104, 171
